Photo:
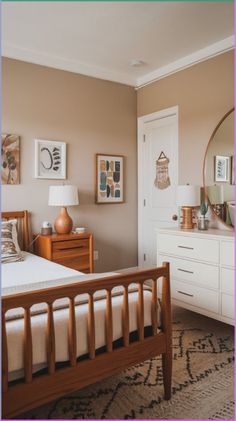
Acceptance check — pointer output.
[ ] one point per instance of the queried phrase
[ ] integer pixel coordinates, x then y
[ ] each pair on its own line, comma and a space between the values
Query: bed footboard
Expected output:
35, 391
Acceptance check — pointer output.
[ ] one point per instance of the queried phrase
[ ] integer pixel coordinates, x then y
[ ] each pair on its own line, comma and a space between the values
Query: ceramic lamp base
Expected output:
187, 218
63, 223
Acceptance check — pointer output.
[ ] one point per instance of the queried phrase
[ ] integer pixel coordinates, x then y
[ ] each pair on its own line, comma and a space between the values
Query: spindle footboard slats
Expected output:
140, 311
154, 307
50, 340
91, 327
4, 356
166, 323
35, 391
125, 316
109, 322
28, 346
72, 333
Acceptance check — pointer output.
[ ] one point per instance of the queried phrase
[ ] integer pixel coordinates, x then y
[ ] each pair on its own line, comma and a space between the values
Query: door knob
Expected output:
174, 217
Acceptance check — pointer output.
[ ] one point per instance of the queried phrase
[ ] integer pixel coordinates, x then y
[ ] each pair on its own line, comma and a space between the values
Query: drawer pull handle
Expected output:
185, 247
185, 293
184, 270
70, 248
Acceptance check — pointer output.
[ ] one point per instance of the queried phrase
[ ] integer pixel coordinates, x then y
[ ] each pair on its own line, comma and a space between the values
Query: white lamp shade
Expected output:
63, 196
188, 195
215, 194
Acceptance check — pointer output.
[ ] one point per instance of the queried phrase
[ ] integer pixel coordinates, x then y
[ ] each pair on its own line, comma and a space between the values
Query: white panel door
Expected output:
157, 136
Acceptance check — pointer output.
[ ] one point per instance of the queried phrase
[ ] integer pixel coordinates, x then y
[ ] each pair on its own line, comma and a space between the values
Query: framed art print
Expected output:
222, 165
50, 159
10, 159
109, 178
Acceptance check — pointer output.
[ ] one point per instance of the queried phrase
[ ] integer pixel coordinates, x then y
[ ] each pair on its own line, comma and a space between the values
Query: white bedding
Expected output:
34, 272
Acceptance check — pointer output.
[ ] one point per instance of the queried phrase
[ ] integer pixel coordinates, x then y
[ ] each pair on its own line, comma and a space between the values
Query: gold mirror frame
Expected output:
204, 170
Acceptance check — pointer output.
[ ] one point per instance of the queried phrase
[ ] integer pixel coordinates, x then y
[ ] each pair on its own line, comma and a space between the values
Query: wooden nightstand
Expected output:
72, 250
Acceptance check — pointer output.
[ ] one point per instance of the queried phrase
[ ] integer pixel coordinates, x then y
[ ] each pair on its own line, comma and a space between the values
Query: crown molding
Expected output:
75, 66
56, 62
206, 53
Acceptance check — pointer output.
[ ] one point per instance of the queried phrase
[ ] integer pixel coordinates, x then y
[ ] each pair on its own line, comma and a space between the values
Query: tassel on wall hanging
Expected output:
162, 180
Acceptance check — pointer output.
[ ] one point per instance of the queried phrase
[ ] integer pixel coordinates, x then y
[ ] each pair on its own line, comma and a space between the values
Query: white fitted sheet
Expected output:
32, 274
32, 271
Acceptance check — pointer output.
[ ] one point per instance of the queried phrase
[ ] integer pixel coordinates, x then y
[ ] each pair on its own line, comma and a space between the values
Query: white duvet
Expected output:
35, 272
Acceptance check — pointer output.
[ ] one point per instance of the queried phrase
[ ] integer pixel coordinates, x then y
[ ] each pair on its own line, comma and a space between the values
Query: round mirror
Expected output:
219, 170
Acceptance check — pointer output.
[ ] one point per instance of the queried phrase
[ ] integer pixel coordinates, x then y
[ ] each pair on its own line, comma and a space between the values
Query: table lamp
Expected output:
63, 196
188, 197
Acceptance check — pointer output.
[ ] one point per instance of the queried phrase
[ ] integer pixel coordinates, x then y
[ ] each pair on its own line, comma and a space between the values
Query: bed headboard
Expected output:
22, 226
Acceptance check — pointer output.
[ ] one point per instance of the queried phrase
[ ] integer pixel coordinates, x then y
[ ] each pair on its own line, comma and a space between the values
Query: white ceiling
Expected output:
101, 39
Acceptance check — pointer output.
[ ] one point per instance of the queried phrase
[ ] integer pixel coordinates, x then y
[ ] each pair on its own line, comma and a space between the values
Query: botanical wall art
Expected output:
162, 180
109, 178
222, 164
50, 159
10, 159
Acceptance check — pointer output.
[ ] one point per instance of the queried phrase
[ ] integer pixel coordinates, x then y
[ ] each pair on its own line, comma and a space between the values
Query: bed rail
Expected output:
35, 391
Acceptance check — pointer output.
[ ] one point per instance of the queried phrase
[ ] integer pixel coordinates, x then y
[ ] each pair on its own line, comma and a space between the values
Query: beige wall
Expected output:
92, 116
204, 93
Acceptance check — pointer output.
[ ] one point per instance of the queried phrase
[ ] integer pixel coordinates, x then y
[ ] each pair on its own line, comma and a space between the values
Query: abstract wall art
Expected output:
109, 178
50, 159
10, 159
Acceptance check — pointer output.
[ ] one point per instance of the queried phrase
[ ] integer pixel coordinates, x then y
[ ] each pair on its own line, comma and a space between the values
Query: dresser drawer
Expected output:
227, 253
206, 250
227, 281
80, 263
196, 296
69, 248
227, 306
192, 272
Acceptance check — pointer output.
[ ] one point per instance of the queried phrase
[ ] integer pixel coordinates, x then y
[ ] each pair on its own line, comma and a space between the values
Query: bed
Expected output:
63, 330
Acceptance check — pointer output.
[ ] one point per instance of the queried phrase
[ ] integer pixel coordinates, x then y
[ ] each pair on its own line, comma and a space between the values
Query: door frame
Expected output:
167, 112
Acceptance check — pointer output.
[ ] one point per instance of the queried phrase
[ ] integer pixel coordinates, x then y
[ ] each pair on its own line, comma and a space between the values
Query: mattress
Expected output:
34, 273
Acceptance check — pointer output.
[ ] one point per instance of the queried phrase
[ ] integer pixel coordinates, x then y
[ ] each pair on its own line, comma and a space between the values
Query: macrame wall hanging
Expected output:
162, 180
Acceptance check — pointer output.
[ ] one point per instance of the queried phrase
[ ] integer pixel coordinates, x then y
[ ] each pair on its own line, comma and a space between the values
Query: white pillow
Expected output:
15, 234
10, 249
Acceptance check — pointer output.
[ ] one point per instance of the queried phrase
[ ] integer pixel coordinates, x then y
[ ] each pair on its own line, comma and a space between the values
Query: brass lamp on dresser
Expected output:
201, 270
72, 250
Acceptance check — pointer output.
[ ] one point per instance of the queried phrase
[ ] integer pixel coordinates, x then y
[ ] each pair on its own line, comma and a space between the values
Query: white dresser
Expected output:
201, 270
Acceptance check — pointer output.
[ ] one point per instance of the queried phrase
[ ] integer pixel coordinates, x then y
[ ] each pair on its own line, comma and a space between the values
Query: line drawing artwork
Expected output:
50, 159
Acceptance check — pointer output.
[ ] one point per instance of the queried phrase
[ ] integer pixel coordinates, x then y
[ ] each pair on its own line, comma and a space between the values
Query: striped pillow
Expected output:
10, 250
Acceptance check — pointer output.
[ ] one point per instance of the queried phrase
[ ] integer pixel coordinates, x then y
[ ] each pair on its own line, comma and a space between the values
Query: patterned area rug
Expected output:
203, 381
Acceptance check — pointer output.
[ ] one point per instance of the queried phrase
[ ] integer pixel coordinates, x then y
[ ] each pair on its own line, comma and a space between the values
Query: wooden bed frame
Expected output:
35, 391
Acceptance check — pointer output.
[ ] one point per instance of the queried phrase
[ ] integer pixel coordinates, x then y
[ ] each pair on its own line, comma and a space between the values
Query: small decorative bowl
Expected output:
79, 230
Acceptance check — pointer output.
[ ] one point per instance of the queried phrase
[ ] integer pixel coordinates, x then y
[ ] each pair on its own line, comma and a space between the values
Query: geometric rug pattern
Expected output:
202, 386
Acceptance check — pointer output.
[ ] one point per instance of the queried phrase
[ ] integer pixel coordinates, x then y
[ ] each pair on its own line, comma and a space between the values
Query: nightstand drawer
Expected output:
206, 250
68, 248
72, 250
80, 263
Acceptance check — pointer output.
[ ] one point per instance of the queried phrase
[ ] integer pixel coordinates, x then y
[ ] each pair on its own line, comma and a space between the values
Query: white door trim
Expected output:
167, 112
